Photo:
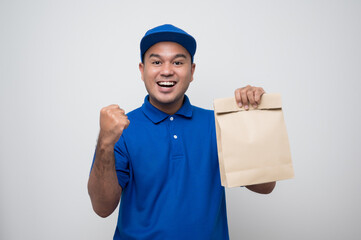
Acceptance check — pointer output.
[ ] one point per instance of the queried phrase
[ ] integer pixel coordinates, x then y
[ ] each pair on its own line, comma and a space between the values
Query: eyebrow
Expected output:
154, 55
176, 56
180, 55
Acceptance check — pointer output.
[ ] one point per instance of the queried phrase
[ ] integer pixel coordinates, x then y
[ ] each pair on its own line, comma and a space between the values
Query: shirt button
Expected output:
171, 118
175, 136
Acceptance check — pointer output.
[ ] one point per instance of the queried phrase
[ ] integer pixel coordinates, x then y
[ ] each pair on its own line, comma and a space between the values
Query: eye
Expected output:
156, 62
177, 63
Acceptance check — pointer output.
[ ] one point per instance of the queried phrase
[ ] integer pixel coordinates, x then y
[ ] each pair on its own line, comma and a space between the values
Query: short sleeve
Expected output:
121, 162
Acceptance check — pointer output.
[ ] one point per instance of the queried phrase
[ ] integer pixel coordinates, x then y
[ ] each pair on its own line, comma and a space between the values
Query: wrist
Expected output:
106, 140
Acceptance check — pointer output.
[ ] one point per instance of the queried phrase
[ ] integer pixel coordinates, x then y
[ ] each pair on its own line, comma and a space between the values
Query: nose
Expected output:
167, 70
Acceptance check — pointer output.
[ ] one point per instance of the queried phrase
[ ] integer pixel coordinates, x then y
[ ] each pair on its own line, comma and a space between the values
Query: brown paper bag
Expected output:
252, 145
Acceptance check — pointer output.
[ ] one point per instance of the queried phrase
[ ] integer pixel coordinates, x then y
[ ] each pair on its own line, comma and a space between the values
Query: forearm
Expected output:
103, 186
263, 188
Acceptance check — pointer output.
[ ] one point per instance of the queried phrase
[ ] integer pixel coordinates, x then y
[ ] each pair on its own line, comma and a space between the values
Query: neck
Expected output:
168, 108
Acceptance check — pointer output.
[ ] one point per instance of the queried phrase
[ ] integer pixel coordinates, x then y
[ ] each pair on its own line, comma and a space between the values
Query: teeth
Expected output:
166, 84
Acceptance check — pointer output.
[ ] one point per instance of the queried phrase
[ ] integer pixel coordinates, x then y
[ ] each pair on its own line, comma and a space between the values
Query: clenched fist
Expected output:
112, 123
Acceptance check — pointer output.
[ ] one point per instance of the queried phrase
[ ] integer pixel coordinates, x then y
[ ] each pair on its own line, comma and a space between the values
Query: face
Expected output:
167, 72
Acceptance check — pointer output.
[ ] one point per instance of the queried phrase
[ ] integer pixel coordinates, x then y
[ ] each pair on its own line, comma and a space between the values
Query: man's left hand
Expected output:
249, 95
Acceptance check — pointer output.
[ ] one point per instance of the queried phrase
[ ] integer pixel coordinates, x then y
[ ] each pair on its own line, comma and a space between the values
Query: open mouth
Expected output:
168, 84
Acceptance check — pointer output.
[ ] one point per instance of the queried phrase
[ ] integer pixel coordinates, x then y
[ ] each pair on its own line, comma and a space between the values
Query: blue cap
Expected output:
167, 33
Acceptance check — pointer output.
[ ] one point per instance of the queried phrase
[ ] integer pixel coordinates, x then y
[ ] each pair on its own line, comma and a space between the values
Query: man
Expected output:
163, 160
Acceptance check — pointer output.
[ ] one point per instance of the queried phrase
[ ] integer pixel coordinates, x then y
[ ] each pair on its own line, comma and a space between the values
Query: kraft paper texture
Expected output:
253, 145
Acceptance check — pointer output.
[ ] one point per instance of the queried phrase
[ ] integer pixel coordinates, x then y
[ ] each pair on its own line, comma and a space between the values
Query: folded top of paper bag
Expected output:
268, 101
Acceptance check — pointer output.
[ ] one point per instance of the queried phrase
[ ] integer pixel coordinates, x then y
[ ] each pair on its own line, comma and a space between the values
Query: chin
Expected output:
165, 100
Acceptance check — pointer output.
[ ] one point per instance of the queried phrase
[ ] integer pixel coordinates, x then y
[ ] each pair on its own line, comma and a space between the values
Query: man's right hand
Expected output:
103, 185
112, 123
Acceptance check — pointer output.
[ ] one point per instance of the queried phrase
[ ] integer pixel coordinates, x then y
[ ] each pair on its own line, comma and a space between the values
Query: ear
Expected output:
141, 69
192, 70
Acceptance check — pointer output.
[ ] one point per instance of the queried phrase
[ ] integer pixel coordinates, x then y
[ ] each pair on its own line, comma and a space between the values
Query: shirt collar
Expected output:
156, 115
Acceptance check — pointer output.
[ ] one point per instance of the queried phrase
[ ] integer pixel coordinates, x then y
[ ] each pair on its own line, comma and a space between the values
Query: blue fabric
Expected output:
168, 169
167, 33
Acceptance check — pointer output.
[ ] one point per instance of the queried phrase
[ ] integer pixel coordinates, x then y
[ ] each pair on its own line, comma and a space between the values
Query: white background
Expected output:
61, 61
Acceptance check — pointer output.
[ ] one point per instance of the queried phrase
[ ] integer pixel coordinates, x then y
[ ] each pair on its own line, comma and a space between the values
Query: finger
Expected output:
116, 114
127, 124
237, 95
244, 98
113, 106
123, 120
124, 123
258, 94
109, 109
250, 95
123, 116
121, 111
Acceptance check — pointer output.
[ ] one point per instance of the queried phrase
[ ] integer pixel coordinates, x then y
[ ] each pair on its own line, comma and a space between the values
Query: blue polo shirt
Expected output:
167, 166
